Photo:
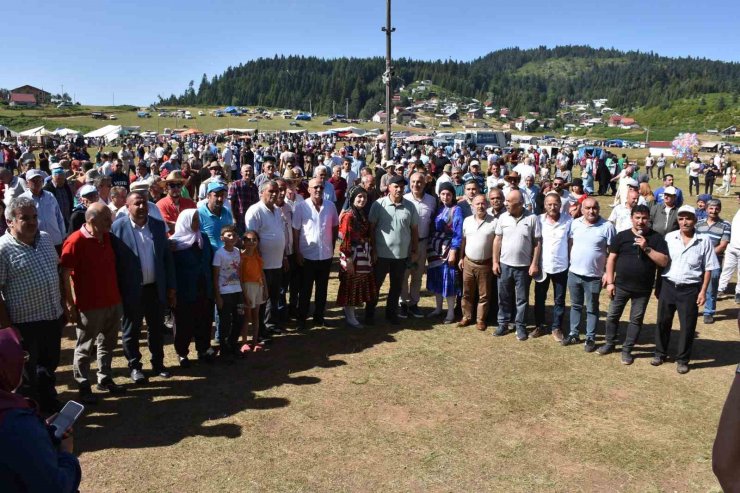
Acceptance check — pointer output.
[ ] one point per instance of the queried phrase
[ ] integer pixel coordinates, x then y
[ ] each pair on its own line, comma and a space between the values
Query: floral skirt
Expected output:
356, 289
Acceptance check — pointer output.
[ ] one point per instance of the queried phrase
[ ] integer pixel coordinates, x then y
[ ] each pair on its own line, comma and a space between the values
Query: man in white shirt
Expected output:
426, 206
683, 288
347, 173
315, 227
525, 169
732, 258
555, 227
621, 216
479, 231
266, 219
443, 178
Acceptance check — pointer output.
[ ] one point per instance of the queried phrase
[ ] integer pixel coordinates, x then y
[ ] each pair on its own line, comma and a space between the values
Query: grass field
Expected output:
420, 407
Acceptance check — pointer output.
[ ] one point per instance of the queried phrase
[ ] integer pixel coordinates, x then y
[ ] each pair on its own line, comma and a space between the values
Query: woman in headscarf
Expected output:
356, 280
192, 254
31, 457
442, 252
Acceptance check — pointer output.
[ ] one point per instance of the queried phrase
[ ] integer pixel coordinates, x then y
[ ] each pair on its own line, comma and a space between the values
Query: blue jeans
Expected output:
584, 288
513, 290
711, 303
559, 284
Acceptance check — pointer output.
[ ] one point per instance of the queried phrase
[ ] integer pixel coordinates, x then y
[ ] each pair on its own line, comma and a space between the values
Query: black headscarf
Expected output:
358, 215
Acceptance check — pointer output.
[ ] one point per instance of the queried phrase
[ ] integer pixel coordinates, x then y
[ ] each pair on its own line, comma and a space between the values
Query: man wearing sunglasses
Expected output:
173, 203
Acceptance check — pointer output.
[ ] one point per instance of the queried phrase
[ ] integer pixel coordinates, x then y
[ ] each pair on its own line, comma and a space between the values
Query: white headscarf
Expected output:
184, 236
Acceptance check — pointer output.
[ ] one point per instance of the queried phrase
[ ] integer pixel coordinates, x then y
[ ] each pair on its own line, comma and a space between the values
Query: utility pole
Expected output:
346, 108
388, 78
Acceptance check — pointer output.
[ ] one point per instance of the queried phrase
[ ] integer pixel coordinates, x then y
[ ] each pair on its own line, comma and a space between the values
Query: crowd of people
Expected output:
232, 242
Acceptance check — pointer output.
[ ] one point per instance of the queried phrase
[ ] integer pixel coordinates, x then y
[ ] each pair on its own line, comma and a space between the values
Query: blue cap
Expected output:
215, 186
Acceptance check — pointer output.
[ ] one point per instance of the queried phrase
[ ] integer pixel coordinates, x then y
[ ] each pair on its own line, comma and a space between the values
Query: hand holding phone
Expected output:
63, 421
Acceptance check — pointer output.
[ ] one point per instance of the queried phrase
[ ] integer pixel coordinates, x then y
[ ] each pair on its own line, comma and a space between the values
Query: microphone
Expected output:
639, 250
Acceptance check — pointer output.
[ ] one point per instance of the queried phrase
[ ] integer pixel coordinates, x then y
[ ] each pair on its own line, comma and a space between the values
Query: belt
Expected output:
480, 262
685, 285
422, 239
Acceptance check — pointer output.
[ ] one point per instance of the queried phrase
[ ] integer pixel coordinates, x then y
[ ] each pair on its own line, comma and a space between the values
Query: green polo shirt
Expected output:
393, 227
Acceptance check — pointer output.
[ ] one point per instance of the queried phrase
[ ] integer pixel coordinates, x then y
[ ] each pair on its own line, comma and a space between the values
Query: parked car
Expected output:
326, 122
112, 117
201, 113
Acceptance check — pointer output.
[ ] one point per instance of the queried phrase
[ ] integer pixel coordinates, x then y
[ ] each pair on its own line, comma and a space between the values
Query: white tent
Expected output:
36, 132
103, 131
63, 132
6, 131
235, 130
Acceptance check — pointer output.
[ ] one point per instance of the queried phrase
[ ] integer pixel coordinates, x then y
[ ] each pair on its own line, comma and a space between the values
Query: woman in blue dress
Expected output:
442, 274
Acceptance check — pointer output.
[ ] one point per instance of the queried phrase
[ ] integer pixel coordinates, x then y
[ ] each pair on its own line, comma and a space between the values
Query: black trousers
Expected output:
681, 299
42, 340
230, 322
150, 308
396, 269
314, 272
270, 311
638, 306
290, 289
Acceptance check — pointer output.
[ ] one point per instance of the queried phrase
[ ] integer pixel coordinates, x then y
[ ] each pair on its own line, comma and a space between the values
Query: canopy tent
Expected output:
418, 138
296, 131
63, 132
6, 131
36, 132
103, 131
235, 130
354, 130
231, 109
190, 131
709, 146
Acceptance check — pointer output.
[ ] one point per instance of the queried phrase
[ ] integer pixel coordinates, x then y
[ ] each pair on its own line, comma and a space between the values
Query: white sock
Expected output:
349, 314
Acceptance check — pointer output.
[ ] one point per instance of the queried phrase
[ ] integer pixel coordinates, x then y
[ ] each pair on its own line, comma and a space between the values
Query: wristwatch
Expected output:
648, 250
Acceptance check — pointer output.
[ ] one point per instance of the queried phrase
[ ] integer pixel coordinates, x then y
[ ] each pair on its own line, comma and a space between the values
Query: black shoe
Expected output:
570, 340
657, 360
161, 371
322, 323
184, 362
415, 312
86, 396
276, 331
708, 319
138, 377
501, 330
403, 312
208, 357
589, 346
627, 358
393, 320
301, 327
737, 298
521, 333
606, 349
682, 368
108, 385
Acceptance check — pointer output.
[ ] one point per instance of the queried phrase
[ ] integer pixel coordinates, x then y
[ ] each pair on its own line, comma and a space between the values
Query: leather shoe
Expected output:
138, 377
480, 326
161, 371
86, 396
108, 385
464, 322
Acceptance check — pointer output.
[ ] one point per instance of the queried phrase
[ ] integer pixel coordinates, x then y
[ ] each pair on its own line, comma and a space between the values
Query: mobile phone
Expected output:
66, 418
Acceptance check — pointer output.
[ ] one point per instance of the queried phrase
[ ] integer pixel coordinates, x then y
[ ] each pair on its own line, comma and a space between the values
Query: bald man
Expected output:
89, 264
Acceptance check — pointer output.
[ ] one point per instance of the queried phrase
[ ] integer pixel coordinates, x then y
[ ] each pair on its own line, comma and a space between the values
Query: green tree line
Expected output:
535, 79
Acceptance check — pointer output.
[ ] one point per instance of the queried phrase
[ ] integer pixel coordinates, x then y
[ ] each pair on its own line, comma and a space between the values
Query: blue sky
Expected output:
138, 49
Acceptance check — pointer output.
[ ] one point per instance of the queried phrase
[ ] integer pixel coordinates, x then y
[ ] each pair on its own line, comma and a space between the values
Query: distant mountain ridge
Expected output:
535, 79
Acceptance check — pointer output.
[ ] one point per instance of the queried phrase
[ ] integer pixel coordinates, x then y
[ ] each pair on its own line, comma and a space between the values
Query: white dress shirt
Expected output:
270, 227
555, 243
145, 252
315, 229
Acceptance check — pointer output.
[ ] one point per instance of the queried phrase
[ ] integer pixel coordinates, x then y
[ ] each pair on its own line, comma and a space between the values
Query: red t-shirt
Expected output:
93, 266
170, 211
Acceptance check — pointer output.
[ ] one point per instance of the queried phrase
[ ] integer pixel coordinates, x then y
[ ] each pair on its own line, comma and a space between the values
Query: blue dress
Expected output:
447, 235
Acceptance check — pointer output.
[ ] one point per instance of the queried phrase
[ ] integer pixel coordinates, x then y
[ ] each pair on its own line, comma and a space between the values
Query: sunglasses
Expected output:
317, 188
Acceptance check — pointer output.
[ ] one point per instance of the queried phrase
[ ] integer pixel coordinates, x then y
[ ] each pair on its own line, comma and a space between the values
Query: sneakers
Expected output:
540, 331
570, 340
657, 360
161, 371
627, 358
502, 329
138, 377
737, 298
589, 346
403, 311
708, 319
557, 334
606, 349
415, 312
682, 368
521, 333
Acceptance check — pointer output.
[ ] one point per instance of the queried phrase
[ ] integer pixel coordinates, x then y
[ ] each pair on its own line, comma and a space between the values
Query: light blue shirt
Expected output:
329, 192
211, 224
50, 216
590, 246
